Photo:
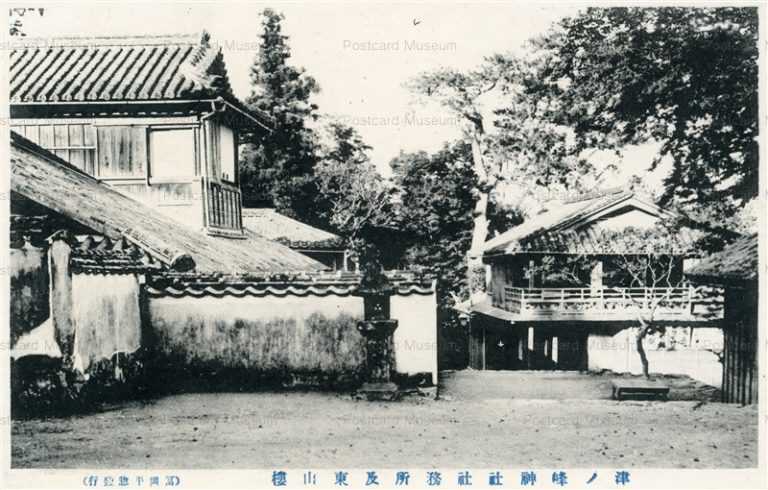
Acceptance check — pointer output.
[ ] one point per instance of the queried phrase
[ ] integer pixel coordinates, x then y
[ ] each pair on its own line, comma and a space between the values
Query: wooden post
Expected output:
482, 358
531, 274
59, 253
204, 197
555, 348
691, 293
596, 277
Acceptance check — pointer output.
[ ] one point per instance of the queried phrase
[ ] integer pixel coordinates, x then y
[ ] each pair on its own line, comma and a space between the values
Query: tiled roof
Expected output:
40, 176
736, 262
270, 224
26, 226
560, 227
304, 284
592, 241
96, 254
118, 69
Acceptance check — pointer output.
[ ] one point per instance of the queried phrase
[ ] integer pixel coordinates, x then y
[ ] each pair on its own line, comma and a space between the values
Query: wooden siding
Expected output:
106, 211
122, 151
477, 345
101, 151
498, 282
120, 155
213, 149
217, 140
740, 371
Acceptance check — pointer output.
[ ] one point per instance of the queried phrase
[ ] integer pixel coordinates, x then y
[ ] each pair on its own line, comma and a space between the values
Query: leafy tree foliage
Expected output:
683, 77
277, 167
502, 217
352, 196
436, 202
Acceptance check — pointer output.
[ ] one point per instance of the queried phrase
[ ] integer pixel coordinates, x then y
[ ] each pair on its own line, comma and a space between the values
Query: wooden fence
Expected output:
740, 374
613, 303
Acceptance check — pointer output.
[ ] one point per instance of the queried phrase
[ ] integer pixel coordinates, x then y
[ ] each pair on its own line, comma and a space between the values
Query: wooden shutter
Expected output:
122, 151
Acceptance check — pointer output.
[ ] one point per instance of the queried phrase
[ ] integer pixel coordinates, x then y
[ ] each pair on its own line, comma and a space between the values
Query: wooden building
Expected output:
152, 116
736, 269
530, 322
128, 237
48, 194
97, 273
321, 245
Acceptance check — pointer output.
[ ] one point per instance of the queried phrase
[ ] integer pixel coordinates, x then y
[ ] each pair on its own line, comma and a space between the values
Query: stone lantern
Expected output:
377, 328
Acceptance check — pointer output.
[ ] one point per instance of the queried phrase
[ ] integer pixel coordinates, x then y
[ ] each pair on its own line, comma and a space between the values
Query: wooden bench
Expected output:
639, 389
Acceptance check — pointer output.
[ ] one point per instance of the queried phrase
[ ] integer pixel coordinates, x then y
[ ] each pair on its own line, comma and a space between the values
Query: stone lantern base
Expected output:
379, 360
386, 392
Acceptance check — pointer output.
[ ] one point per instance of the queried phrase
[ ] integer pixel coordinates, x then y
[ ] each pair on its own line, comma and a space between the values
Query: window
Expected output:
172, 153
75, 143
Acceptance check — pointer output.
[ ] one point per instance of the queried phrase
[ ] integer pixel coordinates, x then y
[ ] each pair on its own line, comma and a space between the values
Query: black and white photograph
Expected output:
427, 245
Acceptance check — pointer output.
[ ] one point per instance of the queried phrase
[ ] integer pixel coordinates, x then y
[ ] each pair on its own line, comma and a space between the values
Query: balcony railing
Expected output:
587, 304
223, 204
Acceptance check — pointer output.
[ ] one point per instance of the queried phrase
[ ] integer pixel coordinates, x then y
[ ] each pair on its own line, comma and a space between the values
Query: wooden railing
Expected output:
680, 303
222, 206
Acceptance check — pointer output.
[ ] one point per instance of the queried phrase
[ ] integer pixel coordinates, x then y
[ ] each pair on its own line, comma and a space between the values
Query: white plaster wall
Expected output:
301, 333
416, 335
634, 218
105, 312
255, 308
618, 353
415, 338
188, 212
190, 215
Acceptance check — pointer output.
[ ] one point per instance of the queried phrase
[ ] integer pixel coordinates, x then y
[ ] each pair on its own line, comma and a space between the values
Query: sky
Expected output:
361, 54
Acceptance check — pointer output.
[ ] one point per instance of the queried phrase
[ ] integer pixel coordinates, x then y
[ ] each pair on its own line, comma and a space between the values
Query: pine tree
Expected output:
277, 168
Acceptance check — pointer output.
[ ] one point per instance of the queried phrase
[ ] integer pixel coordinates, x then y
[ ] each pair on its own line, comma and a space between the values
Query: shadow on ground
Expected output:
558, 385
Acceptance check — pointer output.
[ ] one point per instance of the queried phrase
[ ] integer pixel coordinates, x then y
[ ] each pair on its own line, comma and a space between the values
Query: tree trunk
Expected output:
641, 350
475, 268
480, 215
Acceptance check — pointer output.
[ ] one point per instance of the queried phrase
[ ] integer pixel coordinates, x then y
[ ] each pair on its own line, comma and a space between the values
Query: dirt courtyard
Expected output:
482, 420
